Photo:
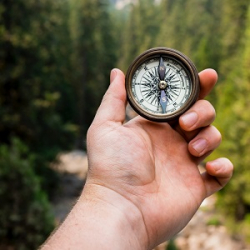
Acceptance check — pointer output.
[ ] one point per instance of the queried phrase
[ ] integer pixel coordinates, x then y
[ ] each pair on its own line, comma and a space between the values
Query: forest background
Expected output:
55, 59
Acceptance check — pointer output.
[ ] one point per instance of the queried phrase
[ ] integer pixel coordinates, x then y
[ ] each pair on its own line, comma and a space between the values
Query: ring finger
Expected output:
200, 115
205, 142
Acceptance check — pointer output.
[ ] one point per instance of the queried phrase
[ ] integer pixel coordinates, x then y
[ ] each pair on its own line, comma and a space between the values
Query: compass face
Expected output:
162, 84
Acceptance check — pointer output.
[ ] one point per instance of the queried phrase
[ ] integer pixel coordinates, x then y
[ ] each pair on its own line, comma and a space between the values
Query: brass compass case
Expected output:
162, 84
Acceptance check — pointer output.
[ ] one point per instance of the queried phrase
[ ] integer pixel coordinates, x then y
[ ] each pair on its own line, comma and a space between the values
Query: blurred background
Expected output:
55, 59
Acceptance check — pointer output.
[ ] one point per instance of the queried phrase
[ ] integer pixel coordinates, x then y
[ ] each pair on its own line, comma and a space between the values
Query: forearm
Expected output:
97, 223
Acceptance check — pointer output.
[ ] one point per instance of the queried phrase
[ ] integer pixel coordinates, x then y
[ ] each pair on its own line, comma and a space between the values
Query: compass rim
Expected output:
184, 61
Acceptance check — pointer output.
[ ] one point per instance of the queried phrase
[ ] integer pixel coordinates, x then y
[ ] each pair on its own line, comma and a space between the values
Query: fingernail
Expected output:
189, 119
216, 164
200, 145
113, 75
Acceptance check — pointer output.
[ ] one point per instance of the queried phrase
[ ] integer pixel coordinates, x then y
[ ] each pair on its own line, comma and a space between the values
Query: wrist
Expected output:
101, 219
117, 219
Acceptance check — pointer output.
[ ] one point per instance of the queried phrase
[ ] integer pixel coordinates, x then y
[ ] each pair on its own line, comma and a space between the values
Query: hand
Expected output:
143, 184
152, 167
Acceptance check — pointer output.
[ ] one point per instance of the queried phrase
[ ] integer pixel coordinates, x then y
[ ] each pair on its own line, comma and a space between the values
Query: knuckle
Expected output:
206, 111
217, 134
214, 135
228, 164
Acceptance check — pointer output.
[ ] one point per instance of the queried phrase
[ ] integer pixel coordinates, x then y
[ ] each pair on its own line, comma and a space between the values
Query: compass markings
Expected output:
147, 84
155, 100
150, 92
155, 71
150, 74
169, 96
174, 92
146, 77
175, 87
175, 81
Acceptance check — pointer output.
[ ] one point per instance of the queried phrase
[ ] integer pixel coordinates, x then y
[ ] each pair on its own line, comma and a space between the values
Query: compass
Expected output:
162, 84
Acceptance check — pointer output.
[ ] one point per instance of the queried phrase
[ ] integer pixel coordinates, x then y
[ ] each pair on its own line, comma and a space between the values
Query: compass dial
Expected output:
147, 86
162, 84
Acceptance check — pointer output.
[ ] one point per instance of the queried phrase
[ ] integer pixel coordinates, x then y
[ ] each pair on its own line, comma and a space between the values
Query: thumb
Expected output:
113, 105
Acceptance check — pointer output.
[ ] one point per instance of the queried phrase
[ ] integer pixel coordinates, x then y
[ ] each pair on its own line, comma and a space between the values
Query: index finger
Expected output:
208, 78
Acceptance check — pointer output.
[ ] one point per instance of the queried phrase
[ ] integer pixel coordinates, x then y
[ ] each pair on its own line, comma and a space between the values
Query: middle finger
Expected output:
200, 115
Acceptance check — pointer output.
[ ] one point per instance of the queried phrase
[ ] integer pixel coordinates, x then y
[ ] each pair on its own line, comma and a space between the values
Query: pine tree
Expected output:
141, 31
233, 24
35, 89
36, 109
233, 122
94, 56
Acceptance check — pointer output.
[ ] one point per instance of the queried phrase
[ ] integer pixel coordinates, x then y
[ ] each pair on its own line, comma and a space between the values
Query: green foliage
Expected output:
55, 60
141, 30
196, 33
233, 109
214, 221
35, 93
36, 96
93, 58
36, 106
25, 216
233, 114
213, 34
171, 245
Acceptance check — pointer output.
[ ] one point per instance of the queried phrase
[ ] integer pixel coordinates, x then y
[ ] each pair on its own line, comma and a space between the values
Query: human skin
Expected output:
143, 184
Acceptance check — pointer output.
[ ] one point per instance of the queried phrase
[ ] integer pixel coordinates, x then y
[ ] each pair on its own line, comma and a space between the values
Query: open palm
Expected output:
153, 165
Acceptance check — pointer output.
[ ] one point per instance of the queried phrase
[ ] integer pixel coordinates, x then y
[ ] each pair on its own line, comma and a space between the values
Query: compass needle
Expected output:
161, 84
